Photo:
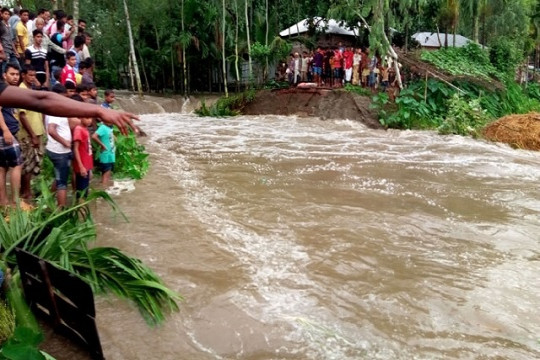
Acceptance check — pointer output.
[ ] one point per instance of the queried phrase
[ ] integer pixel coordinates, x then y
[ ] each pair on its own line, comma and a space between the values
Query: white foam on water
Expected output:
501, 304
185, 106
274, 259
120, 187
270, 259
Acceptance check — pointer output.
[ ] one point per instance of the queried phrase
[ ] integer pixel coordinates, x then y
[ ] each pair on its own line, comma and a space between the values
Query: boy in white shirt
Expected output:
59, 151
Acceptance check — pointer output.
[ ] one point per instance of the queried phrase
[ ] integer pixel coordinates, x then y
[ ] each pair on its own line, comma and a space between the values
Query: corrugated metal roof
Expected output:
429, 39
329, 26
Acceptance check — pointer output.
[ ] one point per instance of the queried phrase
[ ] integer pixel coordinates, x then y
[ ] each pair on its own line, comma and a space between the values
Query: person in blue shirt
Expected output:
109, 99
104, 136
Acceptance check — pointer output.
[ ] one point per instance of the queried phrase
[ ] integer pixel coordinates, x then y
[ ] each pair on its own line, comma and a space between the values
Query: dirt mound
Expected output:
521, 131
322, 103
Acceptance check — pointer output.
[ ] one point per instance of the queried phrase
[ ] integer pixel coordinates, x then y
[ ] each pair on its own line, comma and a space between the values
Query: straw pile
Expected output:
521, 131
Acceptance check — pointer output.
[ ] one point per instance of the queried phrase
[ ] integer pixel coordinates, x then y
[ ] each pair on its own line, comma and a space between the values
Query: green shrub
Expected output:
533, 91
227, 106
464, 117
470, 60
273, 84
131, 157
505, 55
108, 78
412, 110
380, 102
444, 110
357, 90
7, 322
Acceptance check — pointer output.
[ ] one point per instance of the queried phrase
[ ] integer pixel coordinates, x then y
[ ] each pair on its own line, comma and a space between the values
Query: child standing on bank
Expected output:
82, 151
104, 136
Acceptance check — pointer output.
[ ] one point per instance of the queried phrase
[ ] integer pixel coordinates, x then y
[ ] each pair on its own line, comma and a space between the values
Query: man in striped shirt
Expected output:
36, 55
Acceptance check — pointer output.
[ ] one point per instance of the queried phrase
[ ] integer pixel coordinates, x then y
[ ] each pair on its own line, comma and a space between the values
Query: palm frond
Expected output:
62, 236
28, 229
108, 269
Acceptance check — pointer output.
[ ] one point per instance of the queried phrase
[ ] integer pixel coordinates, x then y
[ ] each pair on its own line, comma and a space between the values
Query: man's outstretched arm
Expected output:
53, 104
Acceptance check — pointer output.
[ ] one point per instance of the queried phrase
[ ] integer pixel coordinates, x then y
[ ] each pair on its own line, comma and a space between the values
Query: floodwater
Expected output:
296, 238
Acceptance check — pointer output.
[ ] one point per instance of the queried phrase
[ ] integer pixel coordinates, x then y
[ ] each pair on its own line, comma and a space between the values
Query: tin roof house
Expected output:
434, 41
329, 31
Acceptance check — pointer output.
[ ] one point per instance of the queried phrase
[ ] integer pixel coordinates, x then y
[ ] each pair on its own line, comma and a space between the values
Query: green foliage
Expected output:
259, 51
516, 101
380, 103
450, 112
533, 91
108, 78
23, 345
273, 84
279, 49
505, 55
131, 157
24, 318
464, 117
109, 270
357, 90
469, 60
159, 42
26, 337
7, 322
227, 106
413, 111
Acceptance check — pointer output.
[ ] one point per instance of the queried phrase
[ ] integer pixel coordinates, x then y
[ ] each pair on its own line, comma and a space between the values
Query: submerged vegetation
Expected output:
227, 106
131, 157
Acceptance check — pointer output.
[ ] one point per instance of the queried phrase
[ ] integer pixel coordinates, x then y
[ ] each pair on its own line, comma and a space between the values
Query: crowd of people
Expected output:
335, 66
50, 55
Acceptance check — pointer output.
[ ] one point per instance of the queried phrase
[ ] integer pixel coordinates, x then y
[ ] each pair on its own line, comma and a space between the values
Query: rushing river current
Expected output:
297, 238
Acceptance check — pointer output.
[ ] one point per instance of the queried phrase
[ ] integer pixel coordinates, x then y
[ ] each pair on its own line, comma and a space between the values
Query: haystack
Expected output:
521, 131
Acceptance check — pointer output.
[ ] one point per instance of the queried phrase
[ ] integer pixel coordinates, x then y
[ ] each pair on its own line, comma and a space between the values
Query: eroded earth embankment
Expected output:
323, 103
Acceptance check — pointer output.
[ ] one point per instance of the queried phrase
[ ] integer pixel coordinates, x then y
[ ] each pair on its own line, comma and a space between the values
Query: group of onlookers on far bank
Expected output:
335, 66
46, 54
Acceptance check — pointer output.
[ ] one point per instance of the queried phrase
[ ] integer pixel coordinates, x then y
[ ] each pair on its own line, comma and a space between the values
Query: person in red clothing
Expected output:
348, 63
68, 74
338, 66
84, 161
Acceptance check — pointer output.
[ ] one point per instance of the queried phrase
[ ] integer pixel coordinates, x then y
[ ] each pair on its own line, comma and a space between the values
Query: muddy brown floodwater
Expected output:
296, 238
